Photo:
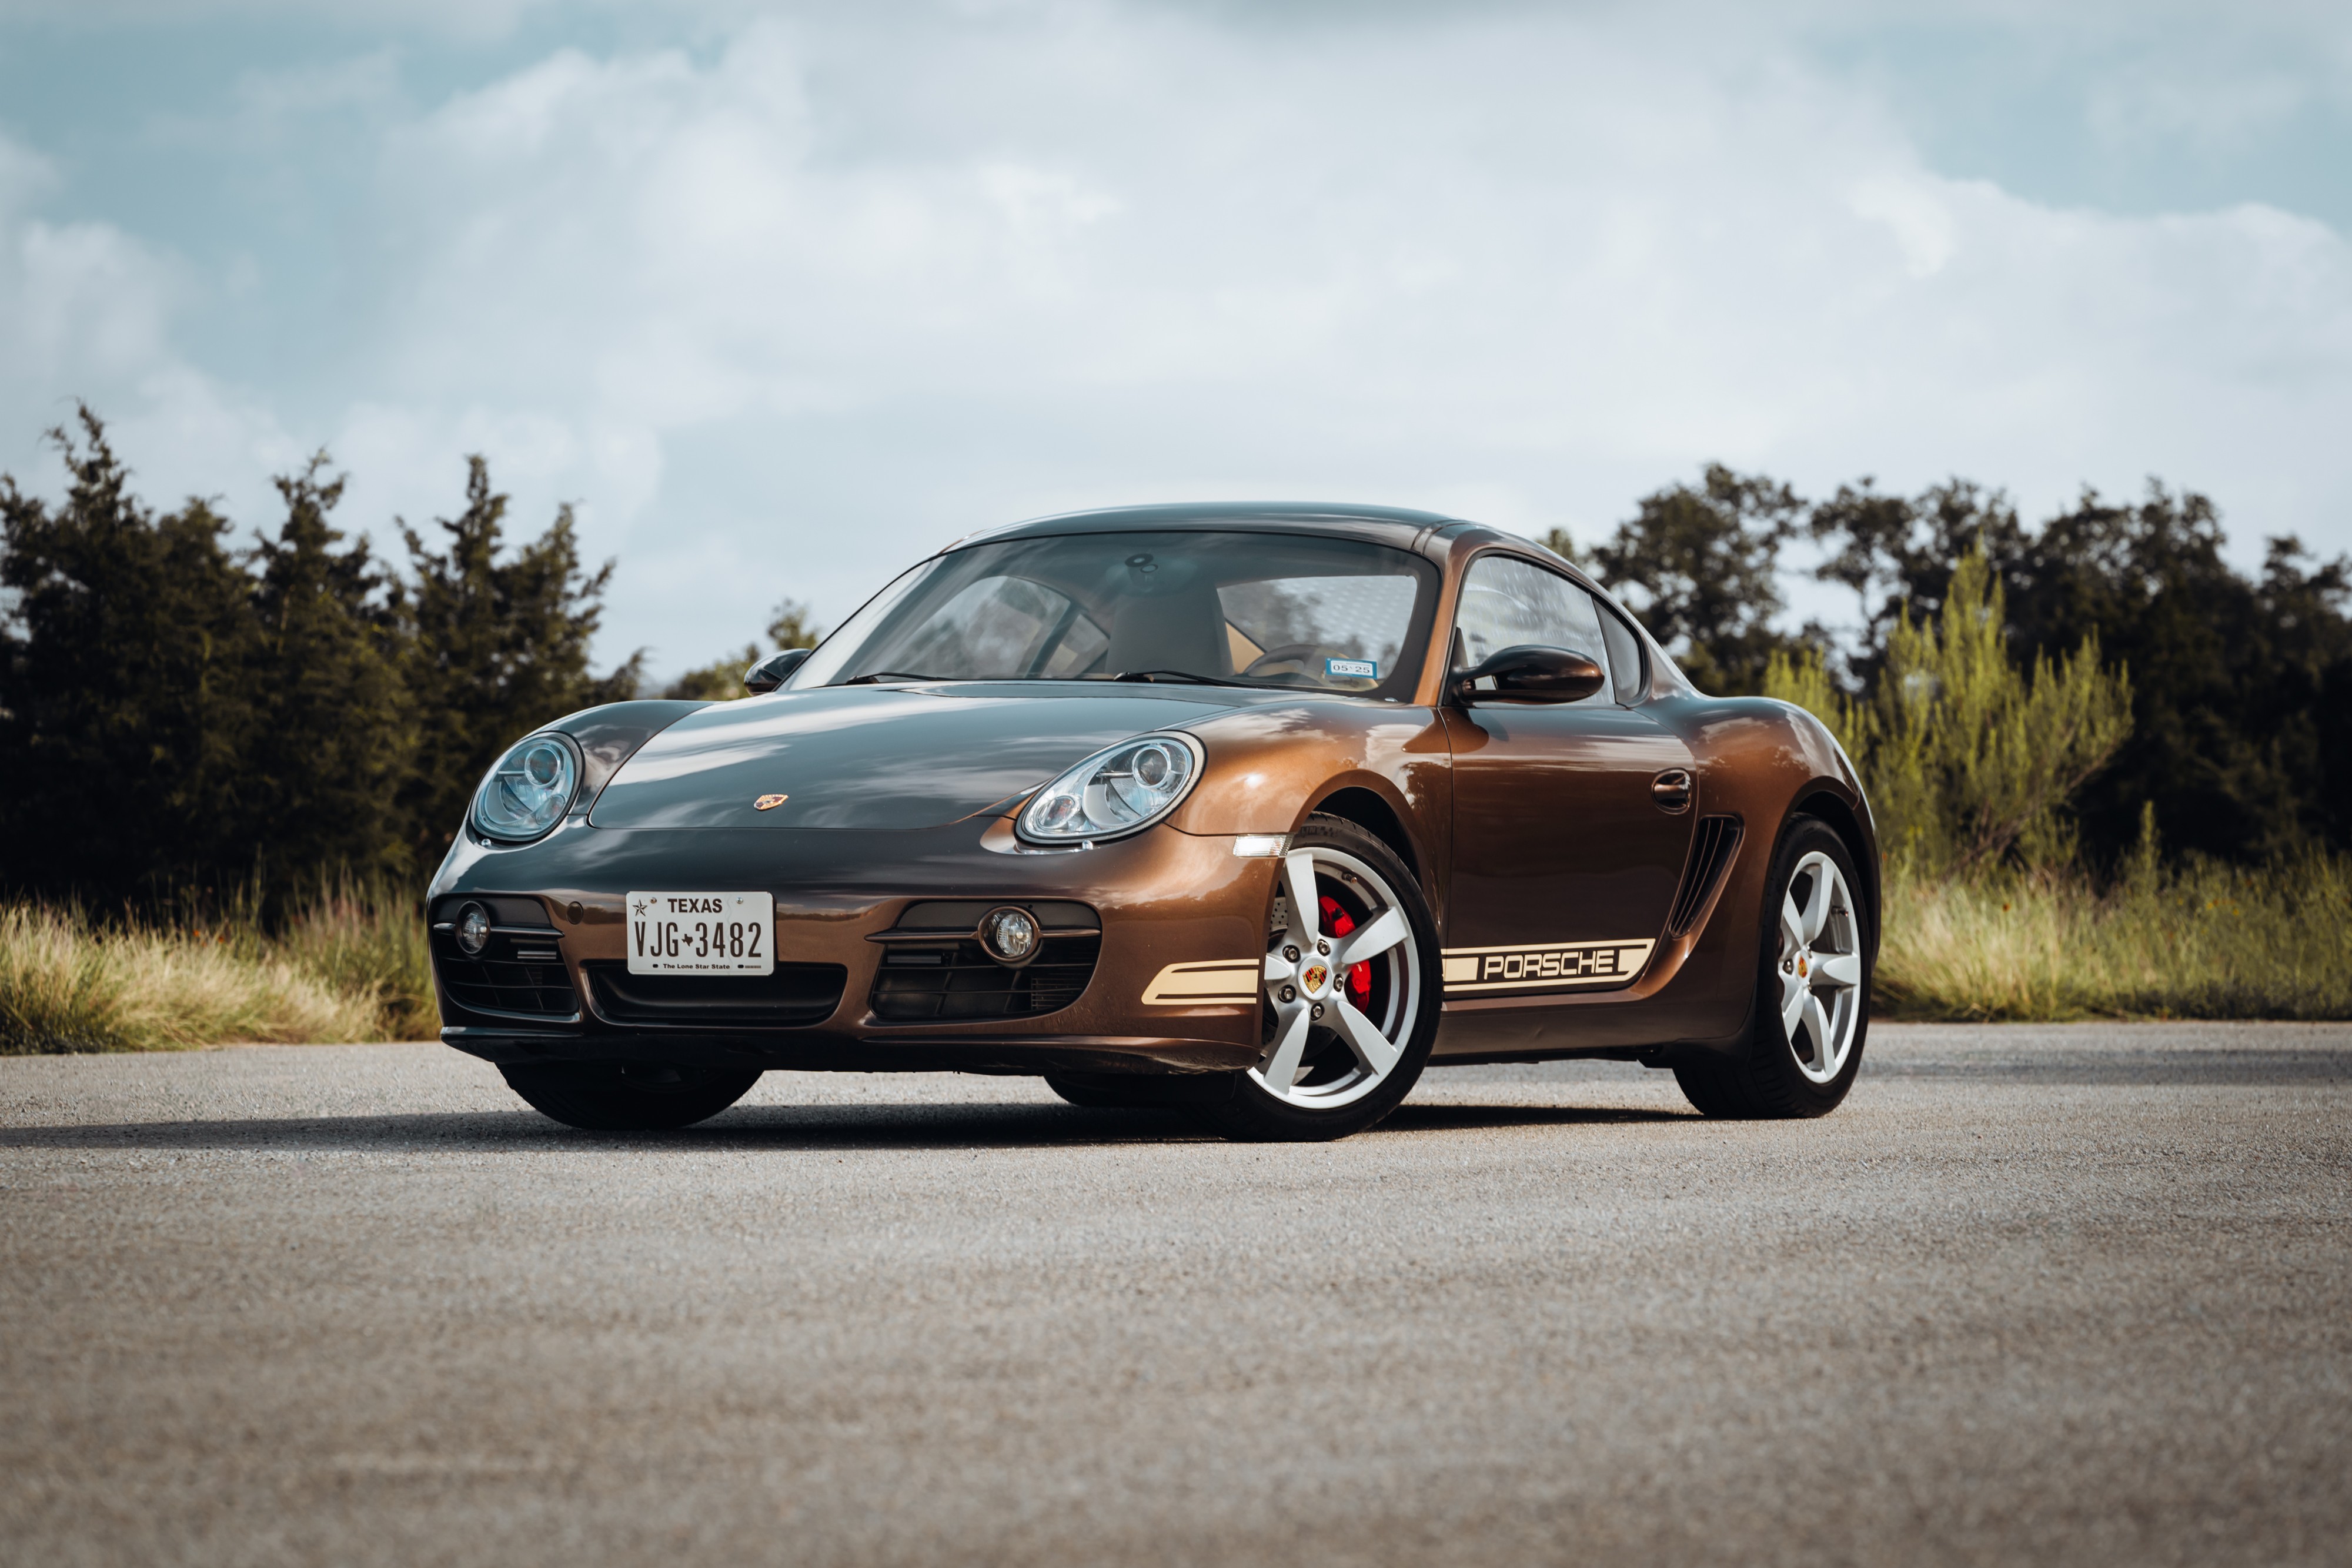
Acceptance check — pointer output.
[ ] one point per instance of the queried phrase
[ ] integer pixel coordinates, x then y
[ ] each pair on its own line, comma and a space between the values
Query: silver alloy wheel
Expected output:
1821, 967
1307, 983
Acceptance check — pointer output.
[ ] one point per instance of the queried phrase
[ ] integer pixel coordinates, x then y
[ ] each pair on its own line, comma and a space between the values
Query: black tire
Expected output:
629, 1097
1250, 1111
1765, 1078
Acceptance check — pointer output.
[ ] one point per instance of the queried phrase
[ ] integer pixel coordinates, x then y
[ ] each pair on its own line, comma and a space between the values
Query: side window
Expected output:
1624, 658
1507, 601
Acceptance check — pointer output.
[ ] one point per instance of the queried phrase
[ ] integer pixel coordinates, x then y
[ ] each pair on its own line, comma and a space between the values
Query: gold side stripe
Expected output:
1543, 965
1195, 985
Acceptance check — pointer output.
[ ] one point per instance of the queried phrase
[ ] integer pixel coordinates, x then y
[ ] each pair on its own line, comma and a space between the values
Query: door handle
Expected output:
1671, 789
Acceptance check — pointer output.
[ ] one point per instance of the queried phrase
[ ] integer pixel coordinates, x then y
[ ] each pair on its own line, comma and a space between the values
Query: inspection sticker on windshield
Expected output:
1353, 669
702, 932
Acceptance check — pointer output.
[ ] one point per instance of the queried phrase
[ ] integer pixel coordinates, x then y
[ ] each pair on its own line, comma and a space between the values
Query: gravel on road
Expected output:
2065, 1294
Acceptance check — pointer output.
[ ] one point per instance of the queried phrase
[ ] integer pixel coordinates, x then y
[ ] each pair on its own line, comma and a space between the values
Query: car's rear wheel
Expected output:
1812, 990
629, 1097
1350, 1002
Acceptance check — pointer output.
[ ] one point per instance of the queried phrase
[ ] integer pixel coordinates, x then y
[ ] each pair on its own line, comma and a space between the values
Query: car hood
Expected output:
878, 757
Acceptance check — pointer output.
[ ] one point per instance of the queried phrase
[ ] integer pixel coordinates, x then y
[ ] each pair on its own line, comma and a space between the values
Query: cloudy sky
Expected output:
784, 297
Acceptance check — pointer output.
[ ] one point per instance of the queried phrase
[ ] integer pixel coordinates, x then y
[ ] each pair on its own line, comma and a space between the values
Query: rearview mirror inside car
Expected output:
1531, 675
769, 673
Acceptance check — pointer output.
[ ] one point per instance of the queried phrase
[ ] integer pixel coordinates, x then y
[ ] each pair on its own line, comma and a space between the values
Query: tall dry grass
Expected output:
2200, 940
349, 965
367, 941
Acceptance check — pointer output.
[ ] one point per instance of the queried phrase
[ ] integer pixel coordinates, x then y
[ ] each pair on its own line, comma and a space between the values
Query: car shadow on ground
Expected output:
783, 1128
1435, 1118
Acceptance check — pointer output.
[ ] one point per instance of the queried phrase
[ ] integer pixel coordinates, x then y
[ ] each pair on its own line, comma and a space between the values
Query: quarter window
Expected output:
1624, 657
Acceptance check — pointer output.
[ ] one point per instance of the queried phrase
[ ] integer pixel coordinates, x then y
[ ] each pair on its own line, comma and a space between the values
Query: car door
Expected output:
1565, 862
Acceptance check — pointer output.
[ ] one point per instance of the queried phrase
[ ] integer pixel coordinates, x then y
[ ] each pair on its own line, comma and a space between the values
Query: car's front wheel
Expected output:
629, 1097
1812, 990
1350, 1002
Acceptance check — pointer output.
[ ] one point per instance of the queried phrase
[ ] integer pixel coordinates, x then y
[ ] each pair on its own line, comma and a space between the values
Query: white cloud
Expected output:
1913, 212
785, 311
476, 20
86, 313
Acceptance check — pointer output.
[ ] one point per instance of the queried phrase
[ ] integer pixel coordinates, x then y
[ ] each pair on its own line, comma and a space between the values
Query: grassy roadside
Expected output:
350, 966
2202, 942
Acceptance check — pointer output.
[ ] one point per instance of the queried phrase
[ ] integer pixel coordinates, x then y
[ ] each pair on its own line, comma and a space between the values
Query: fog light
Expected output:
1010, 935
473, 929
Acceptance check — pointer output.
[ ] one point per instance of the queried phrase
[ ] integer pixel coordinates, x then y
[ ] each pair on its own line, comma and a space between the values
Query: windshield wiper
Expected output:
1174, 675
868, 680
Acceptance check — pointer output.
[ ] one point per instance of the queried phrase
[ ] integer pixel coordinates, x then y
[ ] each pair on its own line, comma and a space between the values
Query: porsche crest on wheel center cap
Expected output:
1313, 977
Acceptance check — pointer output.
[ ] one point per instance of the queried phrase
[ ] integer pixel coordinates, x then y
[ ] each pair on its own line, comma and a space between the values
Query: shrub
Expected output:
1969, 762
350, 966
2203, 940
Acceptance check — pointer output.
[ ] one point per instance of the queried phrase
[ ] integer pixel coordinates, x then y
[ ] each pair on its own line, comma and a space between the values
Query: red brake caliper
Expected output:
1339, 923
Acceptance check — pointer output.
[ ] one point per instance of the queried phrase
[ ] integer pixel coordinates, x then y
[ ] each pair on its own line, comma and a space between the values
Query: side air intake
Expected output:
1711, 847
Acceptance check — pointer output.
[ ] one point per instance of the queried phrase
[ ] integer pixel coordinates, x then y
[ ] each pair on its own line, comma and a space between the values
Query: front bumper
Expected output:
1162, 898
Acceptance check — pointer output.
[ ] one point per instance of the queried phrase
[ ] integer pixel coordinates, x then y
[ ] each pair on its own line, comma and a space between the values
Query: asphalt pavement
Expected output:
2067, 1295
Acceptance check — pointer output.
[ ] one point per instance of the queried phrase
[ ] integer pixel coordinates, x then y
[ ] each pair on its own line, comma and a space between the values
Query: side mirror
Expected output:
769, 673
1532, 674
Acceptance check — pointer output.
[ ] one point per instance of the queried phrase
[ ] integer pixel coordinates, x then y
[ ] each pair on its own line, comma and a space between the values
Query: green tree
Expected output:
2232, 733
1699, 565
1898, 553
1970, 762
335, 741
496, 647
2242, 732
790, 625
125, 701
1563, 545
721, 681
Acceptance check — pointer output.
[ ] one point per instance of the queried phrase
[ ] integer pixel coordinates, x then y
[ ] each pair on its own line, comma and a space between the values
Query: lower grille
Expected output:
796, 995
1711, 845
958, 981
520, 969
506, 985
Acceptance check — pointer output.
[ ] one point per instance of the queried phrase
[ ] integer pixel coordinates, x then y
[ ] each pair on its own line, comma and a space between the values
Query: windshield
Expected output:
1242, 609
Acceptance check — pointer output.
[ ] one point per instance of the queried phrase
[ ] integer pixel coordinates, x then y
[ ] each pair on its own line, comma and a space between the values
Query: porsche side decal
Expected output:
1199, 985
1535, 964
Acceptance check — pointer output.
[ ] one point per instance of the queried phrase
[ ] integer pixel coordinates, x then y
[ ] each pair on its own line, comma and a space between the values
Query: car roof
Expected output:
1400, 526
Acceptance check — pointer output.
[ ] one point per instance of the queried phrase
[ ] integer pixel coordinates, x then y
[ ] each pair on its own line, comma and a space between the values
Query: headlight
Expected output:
526, 793
1114, 792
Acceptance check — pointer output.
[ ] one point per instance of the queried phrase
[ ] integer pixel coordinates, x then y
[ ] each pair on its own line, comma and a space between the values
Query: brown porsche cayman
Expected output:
1254, 811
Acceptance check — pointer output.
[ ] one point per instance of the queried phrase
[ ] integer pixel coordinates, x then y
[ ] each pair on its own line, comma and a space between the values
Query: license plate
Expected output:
702, 934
